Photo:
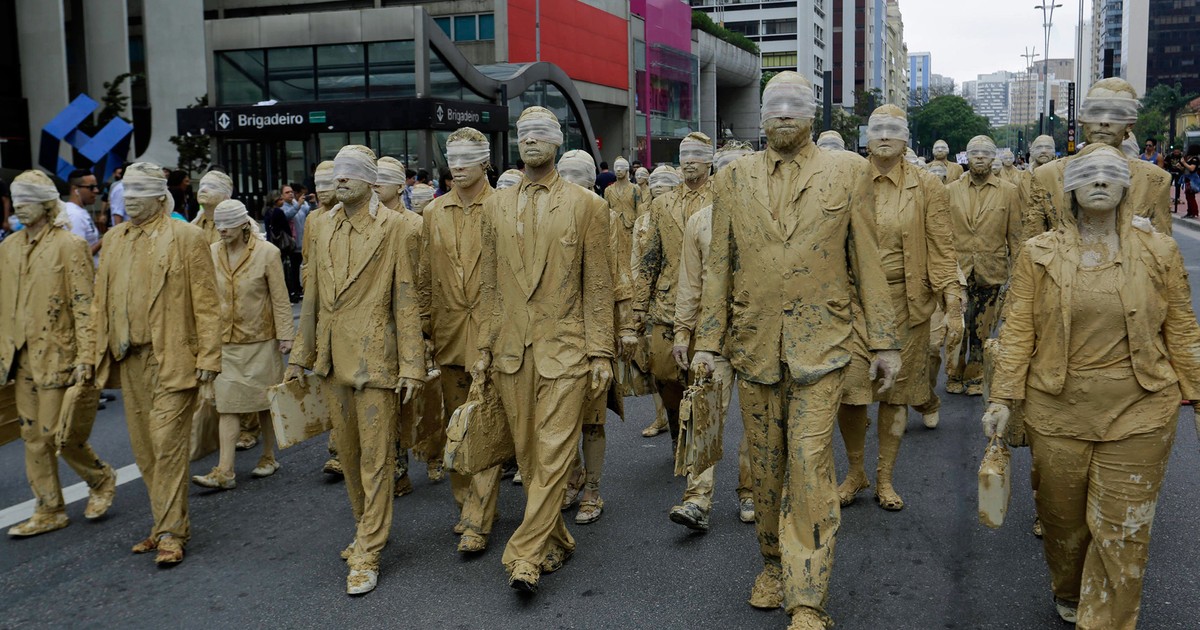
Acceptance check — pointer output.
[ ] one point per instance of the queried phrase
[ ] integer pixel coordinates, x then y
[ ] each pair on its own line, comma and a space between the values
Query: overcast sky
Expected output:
972, 37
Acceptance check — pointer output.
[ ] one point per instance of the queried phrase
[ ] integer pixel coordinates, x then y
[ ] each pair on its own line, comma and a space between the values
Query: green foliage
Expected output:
844, 122
194, 154
949, 118
866, 102
1160, 105
701, 22
767, 75
114, 101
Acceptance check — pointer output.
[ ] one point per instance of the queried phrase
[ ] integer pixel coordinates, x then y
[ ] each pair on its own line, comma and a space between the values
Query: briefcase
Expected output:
77, 415
478, 437
995, 483
1014, 433
701, 429
632, 381
299, 410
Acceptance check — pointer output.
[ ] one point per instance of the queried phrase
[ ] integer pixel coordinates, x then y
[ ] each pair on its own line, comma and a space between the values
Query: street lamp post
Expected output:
1047, 9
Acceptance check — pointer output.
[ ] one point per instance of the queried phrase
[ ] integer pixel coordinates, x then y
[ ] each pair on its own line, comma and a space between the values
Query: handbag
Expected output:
701, 429
478, 437
995, 483
77, 415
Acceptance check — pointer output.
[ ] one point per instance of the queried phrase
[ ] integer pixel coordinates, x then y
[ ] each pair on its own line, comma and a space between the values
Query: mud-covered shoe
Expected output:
931, 420
955, 386
518, 480
854, 483
403, 486
146, 545
555, 559
589, 511
436, 471
975, 388
691, 516
246, 441
170, 551
768, 588
216, 479
472, 542
101, 497
571, 496
523, 576
364, 575
348, 551
266, 468
887, 498
746, 510
39, 524
654, 429
1067, 611
806, 618
1038, 530
459, 528
333, 467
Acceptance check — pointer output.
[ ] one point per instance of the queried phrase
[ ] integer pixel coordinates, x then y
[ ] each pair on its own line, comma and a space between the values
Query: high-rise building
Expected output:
1173, 45
1085, 72
791, 34
895, 59
919, 76
989, 96
1106, 36
1135, 23
940, 85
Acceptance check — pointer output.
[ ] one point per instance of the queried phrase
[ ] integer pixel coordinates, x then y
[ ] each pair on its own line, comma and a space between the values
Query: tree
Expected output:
866, 102
844, 122
194, 155
948, 118
1160, 107
114, 101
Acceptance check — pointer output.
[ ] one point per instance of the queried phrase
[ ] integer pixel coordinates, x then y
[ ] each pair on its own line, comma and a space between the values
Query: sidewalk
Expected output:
1192, 225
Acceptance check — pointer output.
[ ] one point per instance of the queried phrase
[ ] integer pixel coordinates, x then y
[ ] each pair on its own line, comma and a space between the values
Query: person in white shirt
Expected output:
83, 193
116, 199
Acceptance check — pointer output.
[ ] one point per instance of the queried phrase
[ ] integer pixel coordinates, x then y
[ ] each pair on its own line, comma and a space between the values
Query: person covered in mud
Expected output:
583, 487
1101, 342
916, 245
256, 331
798, 223
941, 157
45, 344
655, 290
1107, 115
663, 180
831, 140
642, 177
697, 240
453, 236
360, 331
985, 213
548, 344
157, 319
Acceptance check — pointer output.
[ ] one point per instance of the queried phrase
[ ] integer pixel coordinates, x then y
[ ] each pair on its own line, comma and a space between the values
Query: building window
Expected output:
391, 70
290, 74
779, 27
341, 72
749, 29
241, 77
779, 59
468, 28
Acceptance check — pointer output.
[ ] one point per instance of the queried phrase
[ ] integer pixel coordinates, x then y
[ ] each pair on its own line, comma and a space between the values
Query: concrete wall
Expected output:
175, 61
729, 94
43, 49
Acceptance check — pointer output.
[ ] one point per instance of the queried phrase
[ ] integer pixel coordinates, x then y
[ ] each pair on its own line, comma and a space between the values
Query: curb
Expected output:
1191, 225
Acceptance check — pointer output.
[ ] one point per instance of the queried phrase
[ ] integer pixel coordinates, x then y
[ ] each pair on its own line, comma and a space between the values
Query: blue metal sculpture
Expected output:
104, 152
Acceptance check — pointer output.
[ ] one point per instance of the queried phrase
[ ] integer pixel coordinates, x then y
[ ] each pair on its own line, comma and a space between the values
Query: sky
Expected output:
972, 37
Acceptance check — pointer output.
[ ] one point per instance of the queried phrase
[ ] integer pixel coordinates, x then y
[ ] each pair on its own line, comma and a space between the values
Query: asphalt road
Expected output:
266, 554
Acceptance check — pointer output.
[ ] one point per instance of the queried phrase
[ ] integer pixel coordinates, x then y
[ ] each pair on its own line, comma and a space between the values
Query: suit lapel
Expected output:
162, 257
810, 168
362, 256
511, 239
472, 258
444, 226
542, 242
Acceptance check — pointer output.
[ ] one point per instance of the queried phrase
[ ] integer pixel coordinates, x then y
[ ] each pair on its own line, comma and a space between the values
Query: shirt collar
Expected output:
359, 221
547, 183
896, 175
454, 201
150, 226
990, 181
774, 160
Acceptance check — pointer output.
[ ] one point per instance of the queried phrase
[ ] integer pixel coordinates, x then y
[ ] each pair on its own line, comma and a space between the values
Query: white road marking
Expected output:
22, 511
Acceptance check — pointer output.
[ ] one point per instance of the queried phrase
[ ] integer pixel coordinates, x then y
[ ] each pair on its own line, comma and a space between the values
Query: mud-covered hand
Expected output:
954, 320
679, 353
293, 372
703, 364
84, 373
480, 369
885, 367
629, 346
601, 374
409, 388
995, 419
285, 346
205, 376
